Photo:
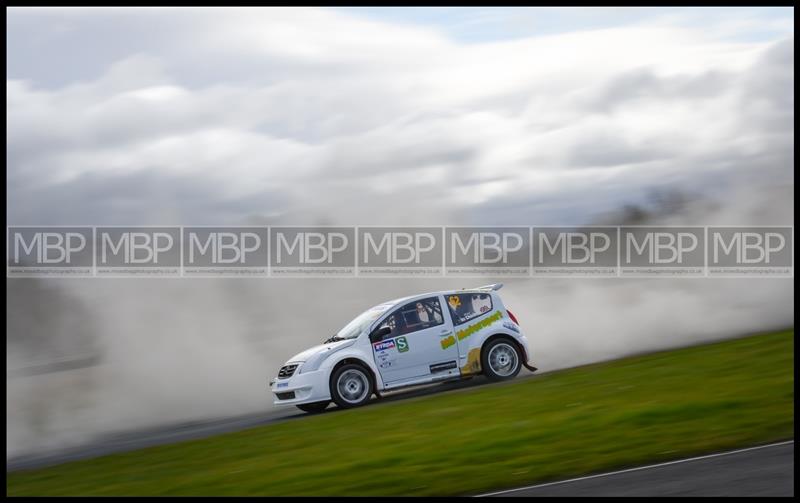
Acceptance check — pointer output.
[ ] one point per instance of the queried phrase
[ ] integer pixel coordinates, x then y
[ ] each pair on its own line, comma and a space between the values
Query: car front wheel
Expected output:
501, 360
351, 386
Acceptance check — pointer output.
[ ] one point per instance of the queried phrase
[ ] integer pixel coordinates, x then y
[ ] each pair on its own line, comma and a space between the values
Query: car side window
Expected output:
390, 322
413, 317
467, 306
421, 314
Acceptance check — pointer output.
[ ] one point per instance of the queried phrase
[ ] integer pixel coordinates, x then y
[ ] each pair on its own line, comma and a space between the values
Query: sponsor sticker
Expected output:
463, 334
511, 326
384, 355
383, 346
402, 344
448, 341
454, 301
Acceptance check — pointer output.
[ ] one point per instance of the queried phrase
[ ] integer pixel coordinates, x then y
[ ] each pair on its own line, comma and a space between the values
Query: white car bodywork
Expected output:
439, 350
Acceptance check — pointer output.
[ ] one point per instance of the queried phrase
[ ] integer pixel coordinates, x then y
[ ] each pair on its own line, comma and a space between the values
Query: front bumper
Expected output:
303, 388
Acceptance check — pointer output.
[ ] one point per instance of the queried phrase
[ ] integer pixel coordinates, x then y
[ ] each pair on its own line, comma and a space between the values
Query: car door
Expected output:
466, 311
411, 344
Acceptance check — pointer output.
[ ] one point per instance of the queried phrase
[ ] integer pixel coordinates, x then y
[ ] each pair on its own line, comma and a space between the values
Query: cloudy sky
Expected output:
395, 116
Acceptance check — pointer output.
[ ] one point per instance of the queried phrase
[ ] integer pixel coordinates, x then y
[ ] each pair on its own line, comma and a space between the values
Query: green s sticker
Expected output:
402, 344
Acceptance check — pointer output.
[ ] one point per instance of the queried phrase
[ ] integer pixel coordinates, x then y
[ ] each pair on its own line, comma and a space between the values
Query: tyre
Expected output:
351, 386
501, 360
313, 408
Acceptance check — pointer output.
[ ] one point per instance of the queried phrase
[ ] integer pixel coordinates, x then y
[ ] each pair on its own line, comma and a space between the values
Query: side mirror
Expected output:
380, 333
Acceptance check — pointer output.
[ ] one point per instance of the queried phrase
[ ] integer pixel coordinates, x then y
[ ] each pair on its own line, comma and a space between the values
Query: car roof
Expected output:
481, 289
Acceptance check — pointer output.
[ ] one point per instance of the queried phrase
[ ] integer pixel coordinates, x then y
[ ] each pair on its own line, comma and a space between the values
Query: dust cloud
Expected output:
89, 357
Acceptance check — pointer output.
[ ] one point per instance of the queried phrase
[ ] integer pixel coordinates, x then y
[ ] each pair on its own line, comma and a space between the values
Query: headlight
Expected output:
313, 363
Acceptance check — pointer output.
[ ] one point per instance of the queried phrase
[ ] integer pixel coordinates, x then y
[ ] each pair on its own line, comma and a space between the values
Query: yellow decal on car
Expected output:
454, 301
463, 334
448, 341
473, 365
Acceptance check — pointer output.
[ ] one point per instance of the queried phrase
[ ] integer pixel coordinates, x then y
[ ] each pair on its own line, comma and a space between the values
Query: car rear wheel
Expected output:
351, 386
500, 360
313, 408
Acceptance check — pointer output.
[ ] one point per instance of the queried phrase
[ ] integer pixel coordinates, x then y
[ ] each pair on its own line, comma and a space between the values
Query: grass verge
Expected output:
632, 411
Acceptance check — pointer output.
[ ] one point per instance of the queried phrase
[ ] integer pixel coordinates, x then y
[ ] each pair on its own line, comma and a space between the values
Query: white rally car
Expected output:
410, 341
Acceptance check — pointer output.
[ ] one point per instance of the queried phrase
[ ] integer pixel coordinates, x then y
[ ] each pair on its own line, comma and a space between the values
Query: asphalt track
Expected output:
766, 470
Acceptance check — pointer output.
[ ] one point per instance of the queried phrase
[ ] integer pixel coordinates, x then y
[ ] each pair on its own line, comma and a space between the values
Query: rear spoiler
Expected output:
493, 287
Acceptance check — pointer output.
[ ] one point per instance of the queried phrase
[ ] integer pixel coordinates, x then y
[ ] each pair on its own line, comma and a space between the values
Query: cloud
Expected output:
333, 102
